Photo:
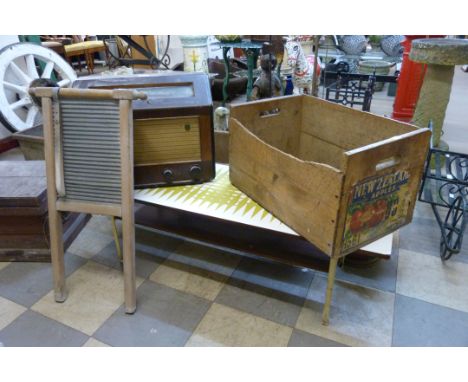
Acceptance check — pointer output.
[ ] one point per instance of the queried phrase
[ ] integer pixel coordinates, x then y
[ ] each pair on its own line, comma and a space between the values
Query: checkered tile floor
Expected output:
191, 295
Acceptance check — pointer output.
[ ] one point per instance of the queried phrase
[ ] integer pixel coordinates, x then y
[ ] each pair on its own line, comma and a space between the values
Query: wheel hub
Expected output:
40, 83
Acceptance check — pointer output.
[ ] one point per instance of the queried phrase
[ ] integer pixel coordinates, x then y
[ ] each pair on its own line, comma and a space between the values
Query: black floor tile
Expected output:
26, 283
381, 275
151, 249
165, 317
33, 329
145, 263
266, 289
303, 339
419, 323
204, 260
423, 235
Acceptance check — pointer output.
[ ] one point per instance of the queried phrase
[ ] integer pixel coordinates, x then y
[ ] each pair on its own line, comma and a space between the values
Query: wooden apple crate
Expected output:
340, 177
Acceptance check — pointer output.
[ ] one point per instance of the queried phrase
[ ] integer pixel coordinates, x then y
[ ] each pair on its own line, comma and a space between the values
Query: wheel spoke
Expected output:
48, 70
32, 112
20, 74
16, 88
64, 83
22, 102
19, 66
31, 66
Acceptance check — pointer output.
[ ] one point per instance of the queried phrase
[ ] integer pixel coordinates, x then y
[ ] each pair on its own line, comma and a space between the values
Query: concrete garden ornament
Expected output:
440, 55
302, 70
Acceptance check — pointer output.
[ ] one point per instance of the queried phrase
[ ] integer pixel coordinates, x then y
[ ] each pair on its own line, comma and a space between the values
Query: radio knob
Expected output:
168, 174
195, 172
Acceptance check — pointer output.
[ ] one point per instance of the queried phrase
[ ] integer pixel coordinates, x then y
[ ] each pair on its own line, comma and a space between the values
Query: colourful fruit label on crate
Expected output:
376, 207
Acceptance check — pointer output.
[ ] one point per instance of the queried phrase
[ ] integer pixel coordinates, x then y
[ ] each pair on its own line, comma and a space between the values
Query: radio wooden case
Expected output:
173, 128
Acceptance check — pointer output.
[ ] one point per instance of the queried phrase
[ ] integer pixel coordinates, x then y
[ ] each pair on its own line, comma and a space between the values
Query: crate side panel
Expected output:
314, 149
377, 199
277, 121
303, 195
345, 127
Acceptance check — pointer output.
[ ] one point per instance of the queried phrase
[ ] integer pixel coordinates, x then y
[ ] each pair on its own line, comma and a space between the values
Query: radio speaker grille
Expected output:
166, 140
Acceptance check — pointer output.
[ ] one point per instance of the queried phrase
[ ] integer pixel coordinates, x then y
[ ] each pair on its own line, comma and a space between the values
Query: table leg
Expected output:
106, 53
226, 78
328, 297
90, 61
116, 239
250, 53
79, 60
278, 73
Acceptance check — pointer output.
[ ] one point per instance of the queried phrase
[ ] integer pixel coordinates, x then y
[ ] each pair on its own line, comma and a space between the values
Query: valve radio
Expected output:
173, 128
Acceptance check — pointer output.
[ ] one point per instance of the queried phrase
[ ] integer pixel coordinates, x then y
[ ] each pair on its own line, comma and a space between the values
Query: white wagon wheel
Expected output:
20, 65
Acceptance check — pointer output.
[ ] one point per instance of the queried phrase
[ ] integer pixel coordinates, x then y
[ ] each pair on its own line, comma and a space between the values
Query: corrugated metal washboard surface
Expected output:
91, 150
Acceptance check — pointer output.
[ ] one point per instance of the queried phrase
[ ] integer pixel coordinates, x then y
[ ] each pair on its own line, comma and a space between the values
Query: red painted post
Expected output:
409, 82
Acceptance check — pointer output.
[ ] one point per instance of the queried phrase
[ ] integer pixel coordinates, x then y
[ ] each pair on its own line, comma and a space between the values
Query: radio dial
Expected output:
168, 174
195, 172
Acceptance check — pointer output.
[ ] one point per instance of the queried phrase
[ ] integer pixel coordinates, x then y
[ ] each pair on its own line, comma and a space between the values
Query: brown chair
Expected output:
86, 49
88, 143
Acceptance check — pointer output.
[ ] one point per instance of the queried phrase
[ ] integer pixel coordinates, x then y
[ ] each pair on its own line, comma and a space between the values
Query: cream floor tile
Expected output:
358, 316
90, 242
93, 342
95, 292
9, 311
197, 270
224, 326
429, 279
201, 286
3, 265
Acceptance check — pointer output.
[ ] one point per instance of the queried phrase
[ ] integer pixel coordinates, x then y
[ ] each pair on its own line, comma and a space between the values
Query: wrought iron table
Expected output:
445, 184
149, 58
351, 89
251, 50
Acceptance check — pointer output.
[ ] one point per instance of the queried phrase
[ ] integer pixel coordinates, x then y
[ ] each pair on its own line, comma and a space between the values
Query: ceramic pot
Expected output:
353, 44
391, 45
195, 53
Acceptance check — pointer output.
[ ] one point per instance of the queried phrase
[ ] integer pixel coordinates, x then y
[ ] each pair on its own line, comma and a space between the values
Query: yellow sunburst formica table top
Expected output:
220, 199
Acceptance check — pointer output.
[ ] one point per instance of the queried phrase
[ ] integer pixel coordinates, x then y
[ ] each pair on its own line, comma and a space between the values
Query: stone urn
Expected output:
440, 55
195, 49
378, 66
